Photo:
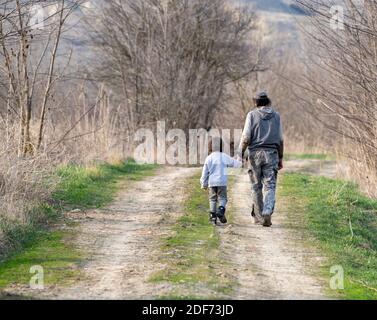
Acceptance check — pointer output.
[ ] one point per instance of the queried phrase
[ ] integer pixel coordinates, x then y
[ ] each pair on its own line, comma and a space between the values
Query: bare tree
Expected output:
341, 88
25, 44
174, 60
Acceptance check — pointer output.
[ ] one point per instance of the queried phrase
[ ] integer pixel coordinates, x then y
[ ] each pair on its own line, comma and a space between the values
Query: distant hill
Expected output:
281, 6
278, 23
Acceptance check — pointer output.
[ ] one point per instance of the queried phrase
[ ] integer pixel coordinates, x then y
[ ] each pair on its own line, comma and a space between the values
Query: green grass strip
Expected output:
53, 252
94, 187
344, 224
192, 254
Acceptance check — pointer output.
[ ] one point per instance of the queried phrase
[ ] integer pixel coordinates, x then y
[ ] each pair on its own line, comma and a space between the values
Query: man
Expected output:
263, 137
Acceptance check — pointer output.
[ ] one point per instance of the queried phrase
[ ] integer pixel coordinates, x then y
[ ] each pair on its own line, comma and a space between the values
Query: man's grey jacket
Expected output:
263, 130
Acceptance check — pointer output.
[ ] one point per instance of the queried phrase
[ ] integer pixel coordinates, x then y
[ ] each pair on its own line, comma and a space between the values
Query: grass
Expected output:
42, 242
343, 223
192, 255
94, 187
309, 156
53, 252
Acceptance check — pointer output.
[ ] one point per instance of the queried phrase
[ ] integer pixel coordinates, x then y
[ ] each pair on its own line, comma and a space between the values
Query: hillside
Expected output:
278, 23
277, 6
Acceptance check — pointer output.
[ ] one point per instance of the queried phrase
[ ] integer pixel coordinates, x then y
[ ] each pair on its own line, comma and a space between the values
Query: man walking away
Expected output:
263, 137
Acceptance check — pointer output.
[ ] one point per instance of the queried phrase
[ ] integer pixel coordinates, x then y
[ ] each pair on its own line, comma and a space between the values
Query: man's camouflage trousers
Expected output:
263, 172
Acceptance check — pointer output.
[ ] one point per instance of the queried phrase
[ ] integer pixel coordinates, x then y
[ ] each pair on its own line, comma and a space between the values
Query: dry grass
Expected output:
357, 172
24, 183
96, 130
90, 135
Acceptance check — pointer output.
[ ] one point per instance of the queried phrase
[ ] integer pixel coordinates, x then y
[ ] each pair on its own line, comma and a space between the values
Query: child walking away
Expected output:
215, 179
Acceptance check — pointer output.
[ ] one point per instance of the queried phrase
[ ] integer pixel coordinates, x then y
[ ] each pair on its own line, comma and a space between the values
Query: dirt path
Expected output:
123, 239
269, 263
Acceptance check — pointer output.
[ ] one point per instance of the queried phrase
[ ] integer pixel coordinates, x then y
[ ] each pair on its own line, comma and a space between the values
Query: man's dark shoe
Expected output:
267, 221
221, 215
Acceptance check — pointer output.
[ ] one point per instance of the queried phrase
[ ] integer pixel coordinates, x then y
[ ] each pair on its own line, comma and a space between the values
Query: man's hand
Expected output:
281, 164
239, 158
204, 188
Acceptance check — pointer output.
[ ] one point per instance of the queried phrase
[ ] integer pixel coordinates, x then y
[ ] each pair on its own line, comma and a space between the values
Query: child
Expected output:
215, 178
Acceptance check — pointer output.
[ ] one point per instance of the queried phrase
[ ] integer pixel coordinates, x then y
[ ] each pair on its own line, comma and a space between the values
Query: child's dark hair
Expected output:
215, 145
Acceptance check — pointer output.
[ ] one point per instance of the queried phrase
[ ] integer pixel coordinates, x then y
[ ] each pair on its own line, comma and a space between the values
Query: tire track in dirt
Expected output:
122, 240
268, 263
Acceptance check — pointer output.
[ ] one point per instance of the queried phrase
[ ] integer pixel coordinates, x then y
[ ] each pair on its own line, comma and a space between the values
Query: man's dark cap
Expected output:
261, 95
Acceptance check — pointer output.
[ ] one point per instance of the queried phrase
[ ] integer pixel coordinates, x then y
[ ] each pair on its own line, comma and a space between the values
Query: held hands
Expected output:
281, 164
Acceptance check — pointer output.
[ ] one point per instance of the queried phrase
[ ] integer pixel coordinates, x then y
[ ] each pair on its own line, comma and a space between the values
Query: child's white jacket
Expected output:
215, 173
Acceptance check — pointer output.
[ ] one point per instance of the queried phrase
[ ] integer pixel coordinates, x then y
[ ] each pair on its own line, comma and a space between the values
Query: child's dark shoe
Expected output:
256, 220
213, 217
221, 215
